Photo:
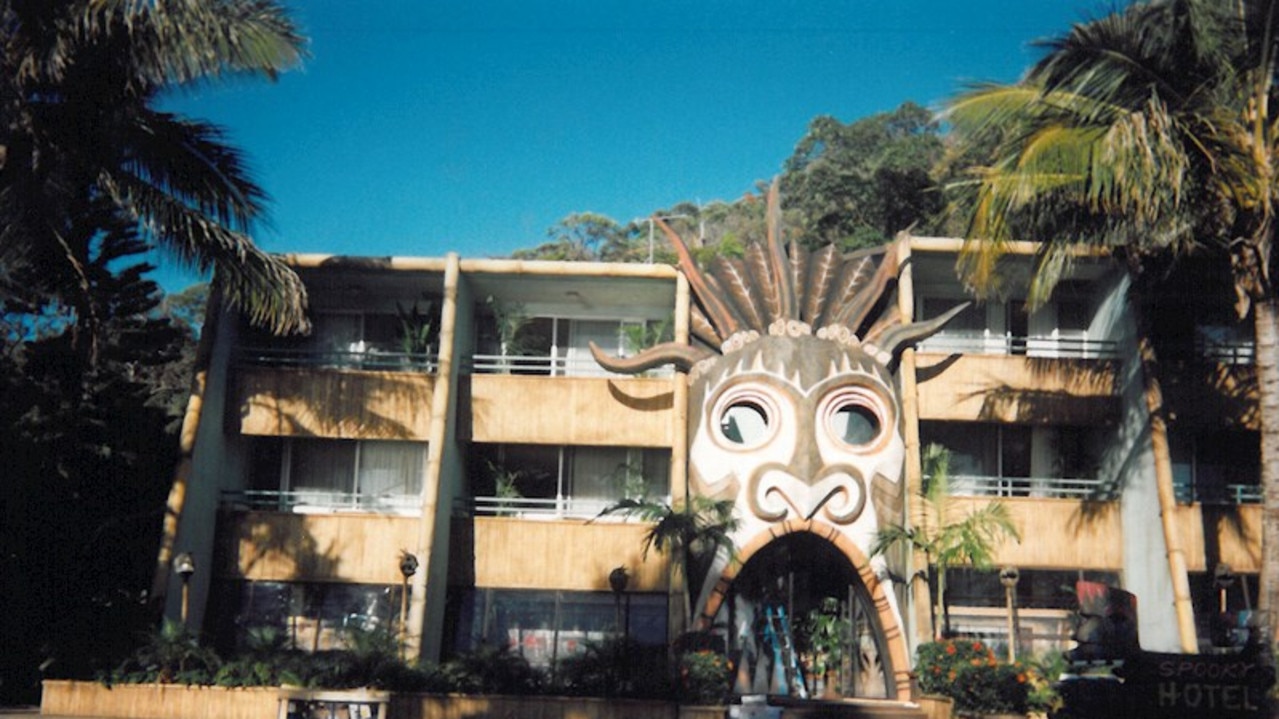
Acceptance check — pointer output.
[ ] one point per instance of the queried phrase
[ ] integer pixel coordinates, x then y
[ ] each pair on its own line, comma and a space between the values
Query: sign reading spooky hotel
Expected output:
1198, 685
795, 416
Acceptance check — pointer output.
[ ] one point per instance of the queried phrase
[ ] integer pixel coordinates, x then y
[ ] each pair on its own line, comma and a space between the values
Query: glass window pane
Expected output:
323, 465
391, 468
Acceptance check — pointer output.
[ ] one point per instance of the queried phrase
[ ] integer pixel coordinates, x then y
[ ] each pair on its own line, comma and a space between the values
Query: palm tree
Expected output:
945, 536
1152, 133
81, 136
693, 532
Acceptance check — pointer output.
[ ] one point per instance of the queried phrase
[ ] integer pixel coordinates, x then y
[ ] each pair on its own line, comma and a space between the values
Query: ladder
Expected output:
786, 675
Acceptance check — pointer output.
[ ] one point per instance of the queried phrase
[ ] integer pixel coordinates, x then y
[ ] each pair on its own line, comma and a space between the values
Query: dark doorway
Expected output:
800, 622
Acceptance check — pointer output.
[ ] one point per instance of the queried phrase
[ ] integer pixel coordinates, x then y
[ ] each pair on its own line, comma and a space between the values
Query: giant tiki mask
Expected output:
793, 409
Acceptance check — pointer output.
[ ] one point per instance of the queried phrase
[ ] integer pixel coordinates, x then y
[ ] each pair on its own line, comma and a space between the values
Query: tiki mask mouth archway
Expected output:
794, 412
874, 662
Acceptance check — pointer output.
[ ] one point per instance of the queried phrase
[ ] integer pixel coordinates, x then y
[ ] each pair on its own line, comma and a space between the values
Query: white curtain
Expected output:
391, 468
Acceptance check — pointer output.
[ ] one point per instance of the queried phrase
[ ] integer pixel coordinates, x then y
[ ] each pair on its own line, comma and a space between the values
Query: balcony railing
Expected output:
533, 507
365, 357
1065, 347
968, 485
1234, 352
549, 365
1229, 494
315, 501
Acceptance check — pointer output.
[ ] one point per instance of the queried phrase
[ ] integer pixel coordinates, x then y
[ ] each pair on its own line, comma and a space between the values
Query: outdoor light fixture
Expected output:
617, 581
184, 567
1008, 577
1223, 577
408, 567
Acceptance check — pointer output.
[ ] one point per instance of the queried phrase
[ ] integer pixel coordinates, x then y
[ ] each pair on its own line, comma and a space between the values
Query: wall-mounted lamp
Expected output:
184, 567
408, 567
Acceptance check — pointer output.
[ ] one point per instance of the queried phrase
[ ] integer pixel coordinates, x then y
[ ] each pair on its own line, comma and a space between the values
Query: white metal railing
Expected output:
970, 485
549, 365
535, 507
318, 501
368, 357
1235, 352
1188, 493
1045, 346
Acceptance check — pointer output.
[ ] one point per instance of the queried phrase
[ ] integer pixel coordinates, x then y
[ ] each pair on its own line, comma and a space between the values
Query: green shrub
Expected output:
489, 671
171, 654
705, 677
968, 672
615, 667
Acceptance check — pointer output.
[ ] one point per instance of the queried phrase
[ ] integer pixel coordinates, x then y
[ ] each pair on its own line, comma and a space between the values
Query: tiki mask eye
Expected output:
745, 416
854, 415
744, 422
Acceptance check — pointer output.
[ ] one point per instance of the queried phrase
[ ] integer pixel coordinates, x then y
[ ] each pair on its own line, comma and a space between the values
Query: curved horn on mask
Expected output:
682, 356
895, 340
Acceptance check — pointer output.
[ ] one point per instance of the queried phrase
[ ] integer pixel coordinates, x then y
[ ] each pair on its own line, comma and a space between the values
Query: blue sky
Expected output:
419, 127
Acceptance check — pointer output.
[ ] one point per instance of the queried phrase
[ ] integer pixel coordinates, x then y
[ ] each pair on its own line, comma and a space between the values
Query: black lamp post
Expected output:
617, 581
184, 567
408, 567
1008, 577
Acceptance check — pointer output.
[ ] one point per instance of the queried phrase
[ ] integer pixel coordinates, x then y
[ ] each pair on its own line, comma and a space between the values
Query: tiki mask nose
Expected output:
839, 494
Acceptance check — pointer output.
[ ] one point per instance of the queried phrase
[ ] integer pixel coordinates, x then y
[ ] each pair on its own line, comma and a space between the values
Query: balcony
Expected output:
968, 485
320, 502
534, 507
552, 365
360, 355
1050, 346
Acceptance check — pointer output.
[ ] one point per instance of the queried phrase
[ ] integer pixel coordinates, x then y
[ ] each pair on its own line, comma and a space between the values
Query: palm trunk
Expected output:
1266, 318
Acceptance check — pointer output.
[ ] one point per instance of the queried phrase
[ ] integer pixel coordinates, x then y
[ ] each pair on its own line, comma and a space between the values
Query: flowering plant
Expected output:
968, 672
704, 677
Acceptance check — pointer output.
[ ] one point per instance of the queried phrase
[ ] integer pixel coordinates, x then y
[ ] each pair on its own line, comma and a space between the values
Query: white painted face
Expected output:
796, 429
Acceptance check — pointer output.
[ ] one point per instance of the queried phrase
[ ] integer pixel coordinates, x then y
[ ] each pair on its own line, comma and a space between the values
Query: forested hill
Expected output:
855, 185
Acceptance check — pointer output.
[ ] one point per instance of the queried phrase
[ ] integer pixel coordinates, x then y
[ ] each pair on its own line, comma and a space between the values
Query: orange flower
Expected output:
1021, 678
951, 675
950, 649
977, 646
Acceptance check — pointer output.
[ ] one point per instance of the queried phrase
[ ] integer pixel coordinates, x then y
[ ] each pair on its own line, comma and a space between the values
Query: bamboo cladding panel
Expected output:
157, 701
626, 412
994, 388
1235, 531
549, 554
343, 404
1057, 533
272, 546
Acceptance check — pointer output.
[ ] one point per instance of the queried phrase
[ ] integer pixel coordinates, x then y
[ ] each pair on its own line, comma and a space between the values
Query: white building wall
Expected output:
1129, 463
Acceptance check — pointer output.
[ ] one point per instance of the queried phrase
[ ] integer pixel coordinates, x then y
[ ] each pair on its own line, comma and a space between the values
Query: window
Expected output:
555, 345
1018, 460
1216, 467
547, 626
312, 615
573, 481
1060, 328
1036, 588
364, 340
337, 473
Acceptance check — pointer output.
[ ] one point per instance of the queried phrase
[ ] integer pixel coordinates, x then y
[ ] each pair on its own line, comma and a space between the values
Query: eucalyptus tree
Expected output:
81, 124
859, 184
1151, 132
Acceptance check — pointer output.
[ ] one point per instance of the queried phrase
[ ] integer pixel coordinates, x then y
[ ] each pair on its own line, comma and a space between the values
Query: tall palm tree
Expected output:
946, 536
80, 82
1152, 132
